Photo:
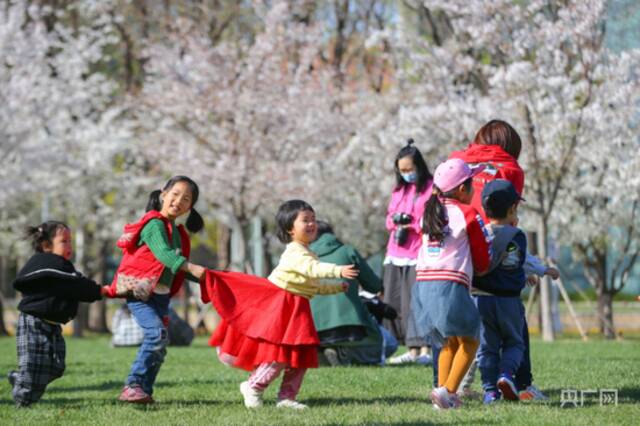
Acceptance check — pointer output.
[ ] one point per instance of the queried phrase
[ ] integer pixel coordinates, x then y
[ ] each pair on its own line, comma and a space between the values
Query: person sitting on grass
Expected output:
348, 333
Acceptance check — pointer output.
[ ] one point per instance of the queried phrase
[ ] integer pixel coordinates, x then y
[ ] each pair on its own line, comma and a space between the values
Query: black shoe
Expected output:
11, 376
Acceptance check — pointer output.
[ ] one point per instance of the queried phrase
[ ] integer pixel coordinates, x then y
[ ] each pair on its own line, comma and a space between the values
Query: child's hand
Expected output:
349, 272
104, 290
533, 280
553, 273
196, 270
345, 287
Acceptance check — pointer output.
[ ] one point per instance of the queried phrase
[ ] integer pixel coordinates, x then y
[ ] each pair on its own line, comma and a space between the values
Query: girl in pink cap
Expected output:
455, 246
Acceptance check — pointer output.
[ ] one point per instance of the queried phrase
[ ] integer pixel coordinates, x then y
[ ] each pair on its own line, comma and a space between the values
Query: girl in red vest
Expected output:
153, 268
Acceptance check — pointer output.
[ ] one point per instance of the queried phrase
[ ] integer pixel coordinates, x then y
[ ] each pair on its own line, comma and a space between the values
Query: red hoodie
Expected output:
499, 165
138, 263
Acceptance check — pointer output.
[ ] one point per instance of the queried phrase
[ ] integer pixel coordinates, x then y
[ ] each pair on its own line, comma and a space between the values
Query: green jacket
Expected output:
345, 308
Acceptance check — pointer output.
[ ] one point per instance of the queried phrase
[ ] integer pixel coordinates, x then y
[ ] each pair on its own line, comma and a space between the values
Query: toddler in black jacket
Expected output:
51, 289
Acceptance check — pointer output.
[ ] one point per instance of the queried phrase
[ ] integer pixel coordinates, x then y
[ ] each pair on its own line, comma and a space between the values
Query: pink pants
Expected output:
268, 372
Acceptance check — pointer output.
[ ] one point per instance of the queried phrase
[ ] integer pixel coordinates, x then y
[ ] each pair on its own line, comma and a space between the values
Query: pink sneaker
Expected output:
135, 395
441, 399
456, 402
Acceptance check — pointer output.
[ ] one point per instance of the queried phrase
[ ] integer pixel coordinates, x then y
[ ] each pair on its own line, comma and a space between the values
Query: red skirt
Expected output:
260, 323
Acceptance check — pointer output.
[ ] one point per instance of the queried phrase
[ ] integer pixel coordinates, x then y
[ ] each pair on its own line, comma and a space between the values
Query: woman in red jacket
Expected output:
153, 268
497, 146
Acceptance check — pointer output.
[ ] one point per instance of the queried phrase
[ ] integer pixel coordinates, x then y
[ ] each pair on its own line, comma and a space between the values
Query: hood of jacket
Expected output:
325, 244
475, 153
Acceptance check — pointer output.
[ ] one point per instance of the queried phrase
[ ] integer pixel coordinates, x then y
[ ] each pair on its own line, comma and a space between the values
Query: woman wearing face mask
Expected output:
412, 190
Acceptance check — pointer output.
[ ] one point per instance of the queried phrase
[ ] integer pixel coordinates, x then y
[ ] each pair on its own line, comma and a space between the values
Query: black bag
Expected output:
379, 309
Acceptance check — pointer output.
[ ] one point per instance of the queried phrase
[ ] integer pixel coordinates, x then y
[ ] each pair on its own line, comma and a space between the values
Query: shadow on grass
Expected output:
428, 423
194, 382
111, 385
368, 401
117, 385
79, 403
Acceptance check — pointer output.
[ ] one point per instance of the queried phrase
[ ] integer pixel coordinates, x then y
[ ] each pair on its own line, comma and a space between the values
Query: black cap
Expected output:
498, 196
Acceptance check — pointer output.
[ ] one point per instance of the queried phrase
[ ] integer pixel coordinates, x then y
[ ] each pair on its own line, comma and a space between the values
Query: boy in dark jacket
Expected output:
51, 290
497, 294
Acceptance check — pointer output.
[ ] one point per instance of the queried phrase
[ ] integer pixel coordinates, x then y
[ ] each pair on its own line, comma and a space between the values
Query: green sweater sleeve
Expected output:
367, 278
155, 237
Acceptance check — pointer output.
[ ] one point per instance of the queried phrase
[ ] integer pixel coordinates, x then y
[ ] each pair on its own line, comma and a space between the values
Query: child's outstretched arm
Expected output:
304, 263
74, 286
533, 265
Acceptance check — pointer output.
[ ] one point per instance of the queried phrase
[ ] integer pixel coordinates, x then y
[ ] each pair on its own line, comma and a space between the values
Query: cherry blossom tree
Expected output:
252, 121
542, 66
64, 139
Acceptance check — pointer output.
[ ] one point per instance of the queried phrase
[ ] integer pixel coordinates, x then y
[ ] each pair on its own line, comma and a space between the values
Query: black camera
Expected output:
401, 234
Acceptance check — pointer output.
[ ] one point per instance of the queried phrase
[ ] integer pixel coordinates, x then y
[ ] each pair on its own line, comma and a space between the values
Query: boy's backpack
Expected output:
502, 236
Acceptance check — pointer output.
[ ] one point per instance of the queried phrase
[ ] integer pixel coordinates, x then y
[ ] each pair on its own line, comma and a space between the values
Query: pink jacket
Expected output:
405, 200
465, 248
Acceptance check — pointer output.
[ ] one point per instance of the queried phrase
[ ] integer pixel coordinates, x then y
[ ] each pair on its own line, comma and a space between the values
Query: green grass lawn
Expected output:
194, 388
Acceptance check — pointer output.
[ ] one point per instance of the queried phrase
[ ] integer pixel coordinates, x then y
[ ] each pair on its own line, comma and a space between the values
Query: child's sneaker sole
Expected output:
508, 390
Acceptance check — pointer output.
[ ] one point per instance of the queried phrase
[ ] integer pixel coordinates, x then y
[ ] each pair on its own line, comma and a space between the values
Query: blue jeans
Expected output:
501, 343
150, 316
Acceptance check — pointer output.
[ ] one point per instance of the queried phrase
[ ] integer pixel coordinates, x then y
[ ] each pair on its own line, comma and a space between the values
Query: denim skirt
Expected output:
443, 309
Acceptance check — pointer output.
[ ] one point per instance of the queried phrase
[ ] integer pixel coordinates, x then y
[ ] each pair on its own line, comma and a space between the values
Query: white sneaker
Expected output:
252, 397
423, 359
291, 403
405, 358
440, 397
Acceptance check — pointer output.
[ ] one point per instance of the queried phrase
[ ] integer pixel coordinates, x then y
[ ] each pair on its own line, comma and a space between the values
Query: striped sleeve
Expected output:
479, 240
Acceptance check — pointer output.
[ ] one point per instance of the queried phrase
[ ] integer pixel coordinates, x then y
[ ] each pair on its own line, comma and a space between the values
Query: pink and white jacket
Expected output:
465, 248
406, 200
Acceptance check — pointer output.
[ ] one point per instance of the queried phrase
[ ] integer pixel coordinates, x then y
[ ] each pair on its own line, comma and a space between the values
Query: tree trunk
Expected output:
238, 250
3, 282
80, 322
98, 310
98, 316
257, 247
3, 329
605, 314
222, 245
545, 284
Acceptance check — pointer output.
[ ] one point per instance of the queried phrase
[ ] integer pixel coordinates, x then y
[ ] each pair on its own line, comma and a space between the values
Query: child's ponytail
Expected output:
154, 202
43, 233
434, 219
194, 221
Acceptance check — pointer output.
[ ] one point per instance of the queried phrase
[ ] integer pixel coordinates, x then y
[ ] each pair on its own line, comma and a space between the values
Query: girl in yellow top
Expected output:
266, 325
